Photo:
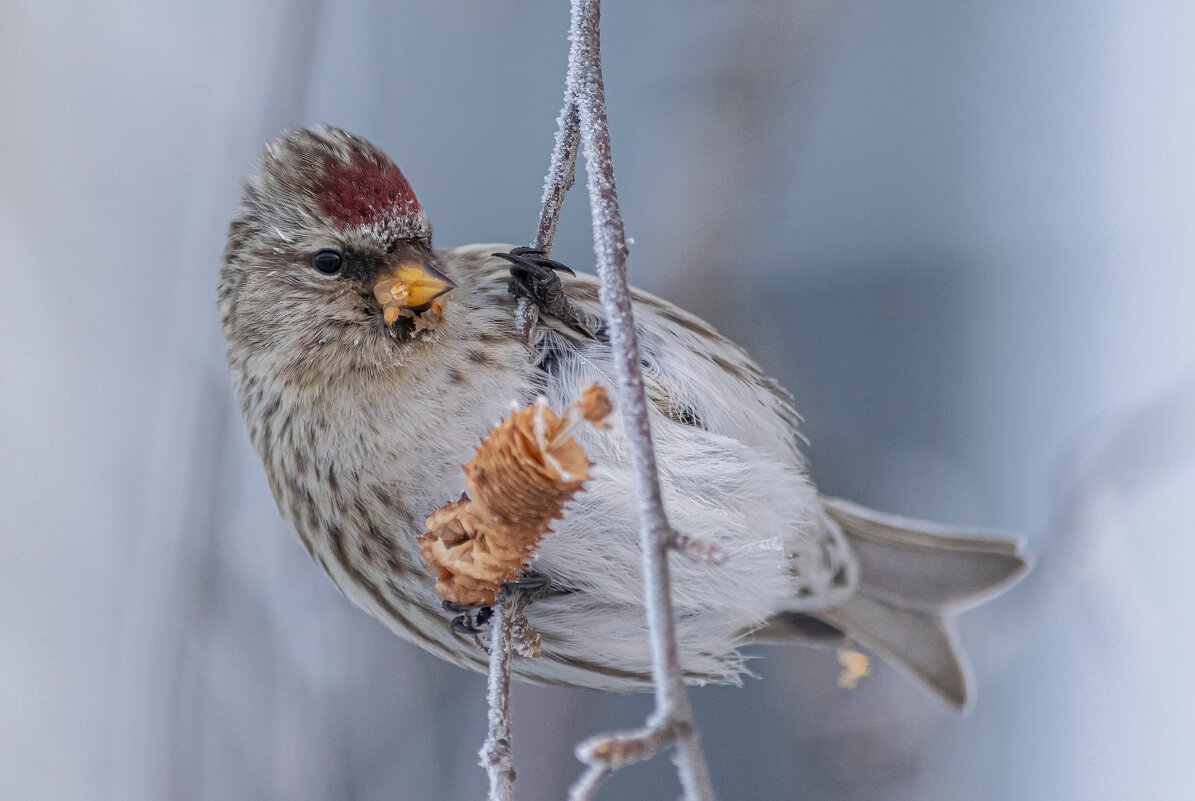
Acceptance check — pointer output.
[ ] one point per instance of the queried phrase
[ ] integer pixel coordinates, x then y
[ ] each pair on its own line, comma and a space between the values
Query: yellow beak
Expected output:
410, 285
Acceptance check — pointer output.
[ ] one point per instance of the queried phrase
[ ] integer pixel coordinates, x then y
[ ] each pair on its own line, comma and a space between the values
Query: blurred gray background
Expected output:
960, 233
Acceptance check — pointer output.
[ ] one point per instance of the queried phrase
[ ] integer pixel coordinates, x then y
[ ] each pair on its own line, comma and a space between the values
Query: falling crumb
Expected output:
854, 667
519, 481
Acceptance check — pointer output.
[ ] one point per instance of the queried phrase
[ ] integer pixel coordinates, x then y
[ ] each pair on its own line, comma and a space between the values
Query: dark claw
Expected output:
556, 266
534, 277
542, 260
532, 584
461, 624
535, 264
473, 618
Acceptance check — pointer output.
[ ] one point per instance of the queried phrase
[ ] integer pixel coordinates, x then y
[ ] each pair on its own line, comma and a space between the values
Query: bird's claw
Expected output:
472, 619
536, 256
530, 584
533, 276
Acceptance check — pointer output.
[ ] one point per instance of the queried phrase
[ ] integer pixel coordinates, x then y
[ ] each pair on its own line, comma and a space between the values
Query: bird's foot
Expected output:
530, 585
471, 620
533, 276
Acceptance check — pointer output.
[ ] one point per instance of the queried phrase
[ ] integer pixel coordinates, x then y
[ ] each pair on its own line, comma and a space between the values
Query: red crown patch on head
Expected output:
362, 191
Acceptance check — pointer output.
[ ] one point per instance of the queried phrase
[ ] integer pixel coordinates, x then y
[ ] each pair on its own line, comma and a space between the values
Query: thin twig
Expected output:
495, 753
561, 175
672, 719
591, 781
582, 121
606, 753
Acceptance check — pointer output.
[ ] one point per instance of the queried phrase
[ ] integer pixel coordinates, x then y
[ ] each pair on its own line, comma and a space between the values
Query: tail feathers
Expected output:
912, 576
924, 646
924, 567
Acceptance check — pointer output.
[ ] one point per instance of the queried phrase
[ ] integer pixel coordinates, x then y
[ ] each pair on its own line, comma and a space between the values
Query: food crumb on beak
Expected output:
413, 290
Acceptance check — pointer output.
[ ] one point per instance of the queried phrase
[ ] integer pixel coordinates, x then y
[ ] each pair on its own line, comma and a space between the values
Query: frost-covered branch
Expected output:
582, 124
672, 719
495, 753
561, 173
561, 176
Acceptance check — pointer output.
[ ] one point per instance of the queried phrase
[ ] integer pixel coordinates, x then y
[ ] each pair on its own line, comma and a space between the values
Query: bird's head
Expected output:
329, 257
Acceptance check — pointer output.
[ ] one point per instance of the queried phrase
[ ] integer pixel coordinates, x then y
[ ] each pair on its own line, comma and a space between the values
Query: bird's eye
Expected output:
326, 261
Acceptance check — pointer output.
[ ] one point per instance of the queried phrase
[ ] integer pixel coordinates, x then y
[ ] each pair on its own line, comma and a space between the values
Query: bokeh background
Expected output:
960, 233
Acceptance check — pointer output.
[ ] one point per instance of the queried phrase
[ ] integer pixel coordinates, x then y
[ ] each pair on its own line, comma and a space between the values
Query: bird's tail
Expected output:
913, 576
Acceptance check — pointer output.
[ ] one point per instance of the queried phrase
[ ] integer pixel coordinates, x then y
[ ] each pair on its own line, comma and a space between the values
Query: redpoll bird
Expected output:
363, 401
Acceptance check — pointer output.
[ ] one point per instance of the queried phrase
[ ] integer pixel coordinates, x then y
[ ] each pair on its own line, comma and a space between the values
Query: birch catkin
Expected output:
524, 473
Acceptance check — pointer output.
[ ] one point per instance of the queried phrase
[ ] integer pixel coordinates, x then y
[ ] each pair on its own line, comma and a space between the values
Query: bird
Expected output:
363, 406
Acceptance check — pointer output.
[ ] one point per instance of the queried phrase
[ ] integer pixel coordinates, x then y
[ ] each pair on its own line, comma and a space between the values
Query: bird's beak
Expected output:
409, 285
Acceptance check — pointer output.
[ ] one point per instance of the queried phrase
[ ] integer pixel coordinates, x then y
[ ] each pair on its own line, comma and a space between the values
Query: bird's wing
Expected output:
726, 445
693, 375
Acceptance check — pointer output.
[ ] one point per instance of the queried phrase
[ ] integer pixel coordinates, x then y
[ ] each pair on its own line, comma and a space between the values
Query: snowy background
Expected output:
961, 233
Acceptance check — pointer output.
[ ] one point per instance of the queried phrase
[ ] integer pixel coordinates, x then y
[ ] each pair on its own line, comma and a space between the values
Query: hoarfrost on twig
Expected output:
495, 753
582, 125
672, 719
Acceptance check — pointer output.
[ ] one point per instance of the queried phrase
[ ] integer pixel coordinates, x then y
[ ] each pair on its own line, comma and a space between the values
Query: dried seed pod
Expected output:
519, 481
